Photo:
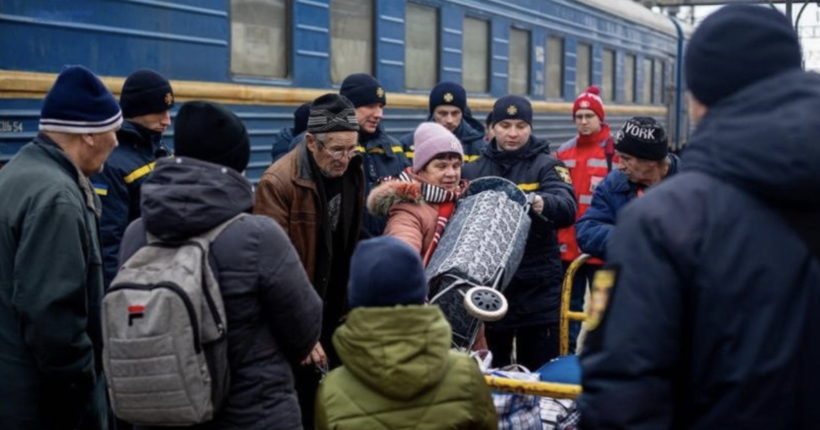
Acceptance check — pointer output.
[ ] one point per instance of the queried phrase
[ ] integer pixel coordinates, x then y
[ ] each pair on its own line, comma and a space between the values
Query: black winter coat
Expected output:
534, 293
383, 156
119, 184
713, 320
268, 298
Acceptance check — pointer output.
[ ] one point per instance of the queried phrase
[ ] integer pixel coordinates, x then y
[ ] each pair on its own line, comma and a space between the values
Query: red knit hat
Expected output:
590, 99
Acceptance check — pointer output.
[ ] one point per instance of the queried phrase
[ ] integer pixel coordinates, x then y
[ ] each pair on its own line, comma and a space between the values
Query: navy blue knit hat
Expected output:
448, 93
211, 132
79, 103
737, 46
145, 92
300, 119
386, 272
512, 107
362, 90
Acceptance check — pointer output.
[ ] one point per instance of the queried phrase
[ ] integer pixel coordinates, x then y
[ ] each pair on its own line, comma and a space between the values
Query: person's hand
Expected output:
538, 204
316, 357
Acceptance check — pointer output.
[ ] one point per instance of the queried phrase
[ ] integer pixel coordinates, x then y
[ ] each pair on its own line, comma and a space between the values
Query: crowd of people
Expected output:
704, 273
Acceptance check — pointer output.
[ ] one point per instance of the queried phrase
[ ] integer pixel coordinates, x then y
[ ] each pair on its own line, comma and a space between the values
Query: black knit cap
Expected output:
144, 92
362, 90
448, 93
332, 112
642, 137
210, 132
512, 107
300, 119
737, 46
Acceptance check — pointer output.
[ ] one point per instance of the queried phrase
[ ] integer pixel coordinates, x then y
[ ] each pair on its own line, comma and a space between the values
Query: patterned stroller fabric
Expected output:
482, 245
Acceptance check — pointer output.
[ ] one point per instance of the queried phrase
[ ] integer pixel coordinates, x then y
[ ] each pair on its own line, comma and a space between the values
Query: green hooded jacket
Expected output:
399, 373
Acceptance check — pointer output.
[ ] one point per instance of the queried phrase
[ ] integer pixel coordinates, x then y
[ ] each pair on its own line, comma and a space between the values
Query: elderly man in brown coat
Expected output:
316, 193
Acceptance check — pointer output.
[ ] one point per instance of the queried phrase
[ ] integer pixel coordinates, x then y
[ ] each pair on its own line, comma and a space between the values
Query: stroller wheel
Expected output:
485, 303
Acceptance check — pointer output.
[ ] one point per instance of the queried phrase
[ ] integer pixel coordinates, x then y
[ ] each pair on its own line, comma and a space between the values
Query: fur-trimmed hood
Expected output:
389, 193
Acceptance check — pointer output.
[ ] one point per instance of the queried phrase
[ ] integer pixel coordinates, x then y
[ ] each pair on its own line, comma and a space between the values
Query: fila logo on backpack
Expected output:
165, 334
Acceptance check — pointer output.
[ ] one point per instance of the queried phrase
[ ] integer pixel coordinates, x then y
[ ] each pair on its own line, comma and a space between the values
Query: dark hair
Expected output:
445, 156
489, 121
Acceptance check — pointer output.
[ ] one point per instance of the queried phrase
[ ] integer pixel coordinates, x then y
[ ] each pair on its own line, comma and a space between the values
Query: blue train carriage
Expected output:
265, 57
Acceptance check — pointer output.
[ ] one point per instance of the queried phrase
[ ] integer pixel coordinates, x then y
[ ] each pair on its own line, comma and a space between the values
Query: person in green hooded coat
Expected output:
399, 371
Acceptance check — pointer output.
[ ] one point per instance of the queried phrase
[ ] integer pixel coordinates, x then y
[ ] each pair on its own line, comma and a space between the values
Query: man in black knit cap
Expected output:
383, 156
315, 193
707, 317
643, 162
146, 102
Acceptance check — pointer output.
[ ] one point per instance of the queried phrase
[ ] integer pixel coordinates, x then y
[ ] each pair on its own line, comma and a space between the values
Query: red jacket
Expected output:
587, 166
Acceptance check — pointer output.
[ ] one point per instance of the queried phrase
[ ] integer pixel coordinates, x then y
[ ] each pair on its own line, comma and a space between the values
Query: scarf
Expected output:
435, 194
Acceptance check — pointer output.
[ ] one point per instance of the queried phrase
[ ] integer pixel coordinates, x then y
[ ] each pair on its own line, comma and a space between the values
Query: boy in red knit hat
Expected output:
589, 156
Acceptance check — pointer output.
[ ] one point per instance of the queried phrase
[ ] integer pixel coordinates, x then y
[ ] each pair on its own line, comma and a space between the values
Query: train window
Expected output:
583, 68
476, 57
519, 58
647, 81
608, 75
260, 45
658, 92
351, 38
629, 78
421, 47
555, 67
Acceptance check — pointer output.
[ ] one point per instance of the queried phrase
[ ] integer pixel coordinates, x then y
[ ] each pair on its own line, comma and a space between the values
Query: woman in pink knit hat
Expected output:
420, 202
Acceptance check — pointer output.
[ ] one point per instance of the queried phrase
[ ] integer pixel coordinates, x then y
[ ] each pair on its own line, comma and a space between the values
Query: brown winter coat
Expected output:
409, 217
288, 193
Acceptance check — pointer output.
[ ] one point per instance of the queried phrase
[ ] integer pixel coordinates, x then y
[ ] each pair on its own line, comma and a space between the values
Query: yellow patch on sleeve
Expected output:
602, 285
564, 173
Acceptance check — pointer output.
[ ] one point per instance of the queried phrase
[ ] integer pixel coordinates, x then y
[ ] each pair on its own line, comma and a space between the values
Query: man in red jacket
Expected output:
589, 156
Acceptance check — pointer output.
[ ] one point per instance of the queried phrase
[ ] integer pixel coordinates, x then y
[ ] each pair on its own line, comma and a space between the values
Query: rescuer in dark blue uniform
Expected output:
534, 293
713, 321
146, 102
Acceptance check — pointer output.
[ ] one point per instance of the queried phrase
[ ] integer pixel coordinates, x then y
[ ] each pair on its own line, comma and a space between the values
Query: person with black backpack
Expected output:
198, 204
708, 317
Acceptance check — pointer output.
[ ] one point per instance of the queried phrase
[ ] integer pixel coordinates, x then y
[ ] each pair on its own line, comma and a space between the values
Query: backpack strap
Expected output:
609, 152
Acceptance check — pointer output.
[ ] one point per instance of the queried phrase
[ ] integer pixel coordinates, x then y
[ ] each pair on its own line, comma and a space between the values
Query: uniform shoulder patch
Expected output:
564, 173
602, 284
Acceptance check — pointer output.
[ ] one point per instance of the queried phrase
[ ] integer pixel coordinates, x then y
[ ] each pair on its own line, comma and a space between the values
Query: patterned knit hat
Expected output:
430, 140
590, 99
332, 112
79, 103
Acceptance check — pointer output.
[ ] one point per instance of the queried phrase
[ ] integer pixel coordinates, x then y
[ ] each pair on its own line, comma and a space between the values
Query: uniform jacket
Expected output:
268, 298
119, 187
588, 167
712, 322
51, 288
534, 292
597, 224
470, 132
383, 157
288, 193
284, 142
399, 373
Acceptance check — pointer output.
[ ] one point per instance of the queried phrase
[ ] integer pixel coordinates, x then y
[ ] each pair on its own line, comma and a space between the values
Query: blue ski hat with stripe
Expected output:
79, 103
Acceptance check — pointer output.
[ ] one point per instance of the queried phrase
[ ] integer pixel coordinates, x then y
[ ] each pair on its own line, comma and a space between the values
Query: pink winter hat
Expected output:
430, 140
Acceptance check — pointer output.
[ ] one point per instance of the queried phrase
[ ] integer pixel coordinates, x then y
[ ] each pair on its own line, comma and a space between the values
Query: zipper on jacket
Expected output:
180, 292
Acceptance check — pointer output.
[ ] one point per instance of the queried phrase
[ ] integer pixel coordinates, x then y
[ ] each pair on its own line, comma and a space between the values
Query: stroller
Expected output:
478, 255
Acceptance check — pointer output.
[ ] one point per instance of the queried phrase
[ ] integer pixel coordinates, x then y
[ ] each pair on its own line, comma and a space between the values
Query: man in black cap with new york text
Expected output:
707, 318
